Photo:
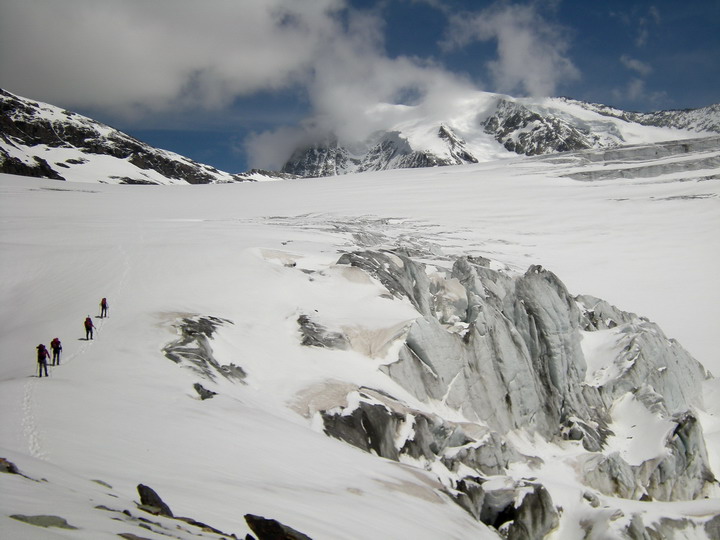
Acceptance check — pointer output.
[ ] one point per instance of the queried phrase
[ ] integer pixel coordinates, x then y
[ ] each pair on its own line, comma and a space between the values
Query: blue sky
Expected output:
228, 82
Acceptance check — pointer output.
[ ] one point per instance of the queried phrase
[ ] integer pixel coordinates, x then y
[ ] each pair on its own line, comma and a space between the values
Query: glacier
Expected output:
427, 353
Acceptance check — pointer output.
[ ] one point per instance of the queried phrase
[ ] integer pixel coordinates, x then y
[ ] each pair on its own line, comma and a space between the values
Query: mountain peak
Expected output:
493, 126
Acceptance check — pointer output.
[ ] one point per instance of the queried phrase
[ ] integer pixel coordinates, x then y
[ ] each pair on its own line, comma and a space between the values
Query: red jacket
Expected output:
43, 353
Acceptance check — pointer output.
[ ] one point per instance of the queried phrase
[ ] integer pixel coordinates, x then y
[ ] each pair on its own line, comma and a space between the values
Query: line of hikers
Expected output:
42, 353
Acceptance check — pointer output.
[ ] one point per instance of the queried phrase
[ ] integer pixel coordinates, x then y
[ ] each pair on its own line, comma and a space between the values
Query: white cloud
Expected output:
532, 52
139, 55
356, 89
636, 65
134, 58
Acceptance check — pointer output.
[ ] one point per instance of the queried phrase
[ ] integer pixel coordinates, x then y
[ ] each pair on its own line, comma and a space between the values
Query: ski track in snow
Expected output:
30, 425
29, 422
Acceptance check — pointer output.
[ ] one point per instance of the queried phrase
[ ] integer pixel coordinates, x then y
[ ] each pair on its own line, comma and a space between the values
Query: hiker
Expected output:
43, 356
103, 308
89, 326
56, 347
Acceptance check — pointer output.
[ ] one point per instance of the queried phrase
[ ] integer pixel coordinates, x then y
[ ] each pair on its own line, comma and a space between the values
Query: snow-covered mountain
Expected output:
431, 353
490, 126
41, 140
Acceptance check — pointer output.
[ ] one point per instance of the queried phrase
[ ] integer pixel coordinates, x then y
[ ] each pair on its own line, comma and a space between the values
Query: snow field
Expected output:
260, 255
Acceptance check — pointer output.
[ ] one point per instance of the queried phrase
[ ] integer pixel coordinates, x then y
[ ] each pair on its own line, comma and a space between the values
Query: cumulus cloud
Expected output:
140, 59
155, 55
532, 52
356, 90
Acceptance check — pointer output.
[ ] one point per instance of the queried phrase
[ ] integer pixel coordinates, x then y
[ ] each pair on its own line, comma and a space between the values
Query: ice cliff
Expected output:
508, 354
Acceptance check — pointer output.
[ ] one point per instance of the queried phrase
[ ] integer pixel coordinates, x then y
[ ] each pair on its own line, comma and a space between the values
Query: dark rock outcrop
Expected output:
535, 517
384, 150
271, 529
526, 132
316, 335
44, 520
193, 348
203, 392
26, 126
151, 502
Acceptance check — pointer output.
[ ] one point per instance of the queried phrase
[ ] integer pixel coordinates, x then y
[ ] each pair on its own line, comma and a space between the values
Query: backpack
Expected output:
55, 343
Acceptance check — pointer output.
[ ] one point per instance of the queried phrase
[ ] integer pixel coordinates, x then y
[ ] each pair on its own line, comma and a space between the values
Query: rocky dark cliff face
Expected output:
523, 131
520, 128
388, 150
28, 128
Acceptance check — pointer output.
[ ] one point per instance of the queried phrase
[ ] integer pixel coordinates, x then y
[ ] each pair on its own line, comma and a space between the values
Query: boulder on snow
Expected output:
270, 529
151, 502
203, 392
44, 521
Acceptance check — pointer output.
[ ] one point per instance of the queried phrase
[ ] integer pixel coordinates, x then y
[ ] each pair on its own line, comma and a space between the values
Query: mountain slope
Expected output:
489, 126
467, 392
38, 139
41, 140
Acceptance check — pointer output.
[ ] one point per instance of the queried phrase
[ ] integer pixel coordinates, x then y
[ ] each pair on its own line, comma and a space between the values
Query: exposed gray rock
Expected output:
193, 348
652, 366
23, 125
611, 475
271, 529
535, 517
397, 272
598, 314
664, 528
44, 521
327, 156
203, 392
316, 335
151, 502
712, 527
684, 473
470, 495
523, 131
519, 364
377, 422
321, 158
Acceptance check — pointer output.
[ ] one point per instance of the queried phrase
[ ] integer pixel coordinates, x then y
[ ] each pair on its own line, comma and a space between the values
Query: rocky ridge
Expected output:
518, 126
41, 140
38, 139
